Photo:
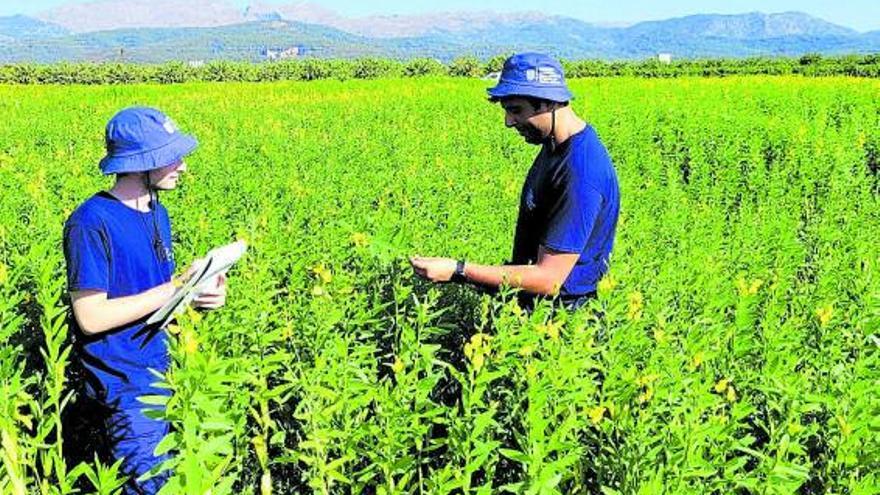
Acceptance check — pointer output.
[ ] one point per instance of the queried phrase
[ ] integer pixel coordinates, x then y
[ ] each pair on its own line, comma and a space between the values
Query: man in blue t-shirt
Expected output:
570, 200
120, 268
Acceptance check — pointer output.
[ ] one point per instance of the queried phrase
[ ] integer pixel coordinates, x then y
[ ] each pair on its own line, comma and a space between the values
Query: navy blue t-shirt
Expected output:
116, 249
569, 204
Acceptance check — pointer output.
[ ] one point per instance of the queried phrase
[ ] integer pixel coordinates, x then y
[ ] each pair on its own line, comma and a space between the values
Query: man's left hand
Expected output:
214, 297
433, 269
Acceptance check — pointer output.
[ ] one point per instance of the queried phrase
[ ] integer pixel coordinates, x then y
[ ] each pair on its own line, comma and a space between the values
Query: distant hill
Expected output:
248, 41
20, 27
754, 25
162, 30
105, 15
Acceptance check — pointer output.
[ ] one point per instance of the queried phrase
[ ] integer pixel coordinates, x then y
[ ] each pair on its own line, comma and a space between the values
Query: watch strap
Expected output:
458, 276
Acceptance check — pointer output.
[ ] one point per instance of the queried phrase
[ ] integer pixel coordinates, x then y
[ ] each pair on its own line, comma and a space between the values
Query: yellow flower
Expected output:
824, 314
468, 350
607, 284
636, 303
359, 239
526, 351
756, 284
550, 329
478, 361
531, 371
190, 342
646, 382
477, 349
731, 394
173, 329
659, 335
398, 365
318, 290
4, 274
515, 308
722, 384
597, 414
323, 273
647, 379
194, 316
746, 288
698, 360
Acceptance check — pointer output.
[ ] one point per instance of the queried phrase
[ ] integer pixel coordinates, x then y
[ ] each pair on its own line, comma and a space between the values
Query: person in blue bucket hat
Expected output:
569, 203
120, 269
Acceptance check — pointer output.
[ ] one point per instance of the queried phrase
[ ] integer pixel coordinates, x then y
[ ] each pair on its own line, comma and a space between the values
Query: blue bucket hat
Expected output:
532, 74
140, 139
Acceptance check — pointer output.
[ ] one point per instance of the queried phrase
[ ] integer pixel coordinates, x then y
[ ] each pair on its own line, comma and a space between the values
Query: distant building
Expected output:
195, 64
665, 58
282, 53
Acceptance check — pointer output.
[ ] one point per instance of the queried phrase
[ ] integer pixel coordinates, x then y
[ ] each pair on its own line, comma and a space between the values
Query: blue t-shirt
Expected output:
569, 204
112, 248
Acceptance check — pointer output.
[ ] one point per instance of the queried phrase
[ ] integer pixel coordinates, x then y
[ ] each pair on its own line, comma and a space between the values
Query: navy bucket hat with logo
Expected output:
532, 74
140, 139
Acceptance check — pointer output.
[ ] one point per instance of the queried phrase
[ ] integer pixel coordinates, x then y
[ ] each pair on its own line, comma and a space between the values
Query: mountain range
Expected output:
163, 30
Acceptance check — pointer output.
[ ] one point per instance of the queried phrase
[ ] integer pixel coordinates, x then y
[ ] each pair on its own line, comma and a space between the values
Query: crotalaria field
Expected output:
734, 348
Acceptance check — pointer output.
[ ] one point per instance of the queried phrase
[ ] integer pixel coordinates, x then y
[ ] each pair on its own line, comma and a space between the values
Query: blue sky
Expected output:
863, 15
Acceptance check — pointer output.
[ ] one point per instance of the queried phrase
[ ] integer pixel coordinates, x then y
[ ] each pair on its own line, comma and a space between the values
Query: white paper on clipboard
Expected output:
217, 261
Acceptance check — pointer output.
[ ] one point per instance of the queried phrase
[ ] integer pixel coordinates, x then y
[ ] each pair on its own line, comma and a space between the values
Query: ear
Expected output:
543, 106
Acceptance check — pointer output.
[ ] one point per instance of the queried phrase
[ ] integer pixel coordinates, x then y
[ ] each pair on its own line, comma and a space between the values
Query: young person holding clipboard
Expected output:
120, 267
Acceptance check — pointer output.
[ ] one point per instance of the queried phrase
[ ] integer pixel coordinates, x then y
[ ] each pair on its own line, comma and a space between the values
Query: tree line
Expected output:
370, 68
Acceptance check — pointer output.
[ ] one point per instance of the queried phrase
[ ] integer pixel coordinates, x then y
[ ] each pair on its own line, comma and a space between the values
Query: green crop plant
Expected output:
734, 346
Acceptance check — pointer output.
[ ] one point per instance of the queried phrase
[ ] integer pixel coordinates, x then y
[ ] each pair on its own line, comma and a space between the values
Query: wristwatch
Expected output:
458, 276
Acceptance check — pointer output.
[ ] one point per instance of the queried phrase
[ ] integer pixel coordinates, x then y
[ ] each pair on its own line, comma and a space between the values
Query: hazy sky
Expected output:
863, 15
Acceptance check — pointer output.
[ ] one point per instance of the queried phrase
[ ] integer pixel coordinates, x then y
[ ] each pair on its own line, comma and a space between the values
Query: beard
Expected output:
530, 133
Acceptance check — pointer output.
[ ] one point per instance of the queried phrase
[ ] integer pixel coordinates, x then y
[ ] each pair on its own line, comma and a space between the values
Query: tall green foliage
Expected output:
734, 346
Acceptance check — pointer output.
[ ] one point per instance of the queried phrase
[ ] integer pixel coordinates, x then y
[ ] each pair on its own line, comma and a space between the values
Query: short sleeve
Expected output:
88, 259
572, 213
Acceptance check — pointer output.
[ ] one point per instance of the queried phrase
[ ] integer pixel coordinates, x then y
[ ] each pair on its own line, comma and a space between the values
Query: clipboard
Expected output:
217, 261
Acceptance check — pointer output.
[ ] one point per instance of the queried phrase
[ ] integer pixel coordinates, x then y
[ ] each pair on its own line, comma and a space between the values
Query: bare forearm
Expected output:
96, 314
531, 278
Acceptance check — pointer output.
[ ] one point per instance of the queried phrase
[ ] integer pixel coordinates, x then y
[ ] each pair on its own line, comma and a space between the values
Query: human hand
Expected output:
213, 296
190, 271
169, 288
433, 269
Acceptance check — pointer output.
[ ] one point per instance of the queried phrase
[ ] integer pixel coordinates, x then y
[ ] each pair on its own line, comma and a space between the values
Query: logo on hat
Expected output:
544, 75
549, 75
169, 126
